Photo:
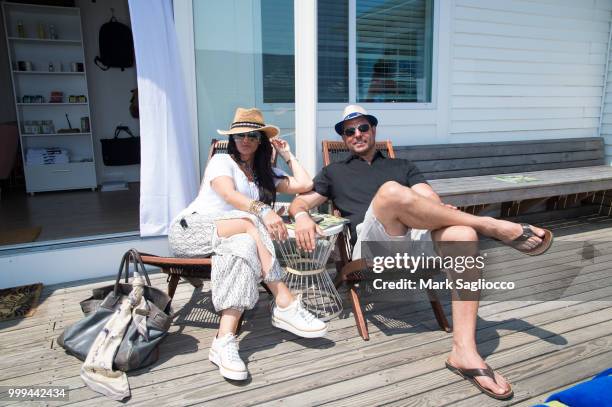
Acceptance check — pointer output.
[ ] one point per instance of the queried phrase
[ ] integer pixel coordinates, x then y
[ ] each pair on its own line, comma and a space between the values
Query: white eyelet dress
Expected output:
236, 269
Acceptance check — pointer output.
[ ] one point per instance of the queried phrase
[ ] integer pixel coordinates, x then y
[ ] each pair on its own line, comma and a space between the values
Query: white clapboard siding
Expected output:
606, 120
528, 69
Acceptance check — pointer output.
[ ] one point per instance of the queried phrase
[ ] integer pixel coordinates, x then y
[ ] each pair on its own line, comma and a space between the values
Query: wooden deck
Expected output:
539, 346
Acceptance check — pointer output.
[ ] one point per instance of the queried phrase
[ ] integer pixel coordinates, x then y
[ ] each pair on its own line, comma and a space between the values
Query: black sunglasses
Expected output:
251, 135
352, 130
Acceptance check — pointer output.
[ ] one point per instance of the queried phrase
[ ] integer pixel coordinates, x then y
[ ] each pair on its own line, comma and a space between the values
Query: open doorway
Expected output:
56, 105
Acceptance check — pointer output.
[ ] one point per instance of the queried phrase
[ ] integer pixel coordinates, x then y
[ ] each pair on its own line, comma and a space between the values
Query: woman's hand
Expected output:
281, 147
275, 226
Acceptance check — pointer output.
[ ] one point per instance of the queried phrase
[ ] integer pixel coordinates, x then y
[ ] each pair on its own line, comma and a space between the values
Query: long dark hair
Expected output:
262, 167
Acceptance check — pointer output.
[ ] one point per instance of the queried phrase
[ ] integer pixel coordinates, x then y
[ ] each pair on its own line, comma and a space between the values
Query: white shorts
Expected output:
418, 241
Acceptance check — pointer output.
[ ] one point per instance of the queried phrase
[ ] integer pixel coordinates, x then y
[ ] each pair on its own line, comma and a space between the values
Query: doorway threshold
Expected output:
67, 243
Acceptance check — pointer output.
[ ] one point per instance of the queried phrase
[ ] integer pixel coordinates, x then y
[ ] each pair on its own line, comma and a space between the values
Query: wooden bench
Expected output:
465, 174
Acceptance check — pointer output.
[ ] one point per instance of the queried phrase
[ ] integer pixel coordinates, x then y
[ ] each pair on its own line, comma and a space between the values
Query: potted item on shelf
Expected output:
48, 127
42, 33
20, 29
56, 97
31, 127
24, 66
52, 32
85, 124
77, 67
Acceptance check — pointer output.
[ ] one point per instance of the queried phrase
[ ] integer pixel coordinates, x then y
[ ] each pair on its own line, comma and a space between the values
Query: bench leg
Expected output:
362, 325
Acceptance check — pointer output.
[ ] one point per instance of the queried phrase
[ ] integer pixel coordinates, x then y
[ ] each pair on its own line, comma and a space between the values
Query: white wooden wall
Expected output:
606, 120
527, 69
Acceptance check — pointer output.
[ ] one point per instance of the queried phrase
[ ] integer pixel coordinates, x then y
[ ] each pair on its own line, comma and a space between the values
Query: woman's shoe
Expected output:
224, 353
297, 320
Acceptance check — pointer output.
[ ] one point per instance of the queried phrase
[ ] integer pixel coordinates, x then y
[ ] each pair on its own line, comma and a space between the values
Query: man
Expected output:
390, 200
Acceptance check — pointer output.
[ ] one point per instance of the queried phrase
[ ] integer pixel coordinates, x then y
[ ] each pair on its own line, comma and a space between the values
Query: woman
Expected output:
232, 217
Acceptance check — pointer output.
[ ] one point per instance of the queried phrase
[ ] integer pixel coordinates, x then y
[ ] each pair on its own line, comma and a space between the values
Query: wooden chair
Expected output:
191, 269
351, 272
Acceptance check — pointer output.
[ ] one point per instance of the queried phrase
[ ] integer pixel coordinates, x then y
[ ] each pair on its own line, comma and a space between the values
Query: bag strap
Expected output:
126, 129
131, 256
98, 61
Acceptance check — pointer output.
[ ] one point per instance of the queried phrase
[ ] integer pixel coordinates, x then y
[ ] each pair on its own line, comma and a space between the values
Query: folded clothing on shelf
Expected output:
49, 155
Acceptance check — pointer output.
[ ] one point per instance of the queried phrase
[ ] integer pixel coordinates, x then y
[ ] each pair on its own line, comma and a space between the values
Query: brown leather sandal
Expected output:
471, 374
527, 233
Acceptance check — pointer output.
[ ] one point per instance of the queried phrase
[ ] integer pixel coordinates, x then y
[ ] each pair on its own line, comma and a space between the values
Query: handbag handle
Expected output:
131, 256
126, 129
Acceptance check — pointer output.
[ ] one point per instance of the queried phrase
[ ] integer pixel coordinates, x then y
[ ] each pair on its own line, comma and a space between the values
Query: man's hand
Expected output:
275, 226
305, 233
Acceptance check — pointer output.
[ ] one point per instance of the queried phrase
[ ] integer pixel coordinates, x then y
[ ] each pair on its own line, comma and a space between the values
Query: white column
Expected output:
305, 21
183, 18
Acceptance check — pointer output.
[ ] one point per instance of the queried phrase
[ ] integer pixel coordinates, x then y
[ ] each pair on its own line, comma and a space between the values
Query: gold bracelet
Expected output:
255, 207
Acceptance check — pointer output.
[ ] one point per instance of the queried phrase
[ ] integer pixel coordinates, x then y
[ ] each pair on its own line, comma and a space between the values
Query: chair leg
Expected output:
265, 286
362, 326
438, 311
172, 283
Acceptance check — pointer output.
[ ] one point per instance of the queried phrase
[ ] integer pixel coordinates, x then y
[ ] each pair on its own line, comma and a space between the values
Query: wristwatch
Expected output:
263, 211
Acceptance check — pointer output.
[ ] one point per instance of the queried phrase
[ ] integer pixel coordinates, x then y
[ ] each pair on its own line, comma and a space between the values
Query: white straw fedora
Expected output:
351, 112
246, 120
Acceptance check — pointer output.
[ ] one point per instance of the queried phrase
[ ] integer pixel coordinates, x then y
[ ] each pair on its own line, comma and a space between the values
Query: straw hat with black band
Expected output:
246, 120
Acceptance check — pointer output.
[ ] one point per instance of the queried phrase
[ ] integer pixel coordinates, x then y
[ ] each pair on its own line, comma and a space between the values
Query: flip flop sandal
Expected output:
471, 374
527, 233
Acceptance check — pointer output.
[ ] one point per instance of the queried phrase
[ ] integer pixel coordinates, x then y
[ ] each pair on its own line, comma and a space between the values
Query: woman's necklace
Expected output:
247, 169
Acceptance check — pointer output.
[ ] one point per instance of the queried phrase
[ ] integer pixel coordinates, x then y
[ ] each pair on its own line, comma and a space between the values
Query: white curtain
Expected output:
168, 177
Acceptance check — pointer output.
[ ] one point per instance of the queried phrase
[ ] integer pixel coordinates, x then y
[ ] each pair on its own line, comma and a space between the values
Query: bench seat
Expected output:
486, 189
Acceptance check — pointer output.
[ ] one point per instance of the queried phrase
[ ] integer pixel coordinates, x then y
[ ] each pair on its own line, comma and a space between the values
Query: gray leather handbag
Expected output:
136, 351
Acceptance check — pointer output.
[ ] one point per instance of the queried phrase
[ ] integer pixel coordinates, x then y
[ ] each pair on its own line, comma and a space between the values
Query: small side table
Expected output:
306, 274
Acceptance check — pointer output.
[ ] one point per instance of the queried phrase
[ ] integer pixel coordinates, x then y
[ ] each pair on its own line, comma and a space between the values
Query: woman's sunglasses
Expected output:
251, 135
349, 132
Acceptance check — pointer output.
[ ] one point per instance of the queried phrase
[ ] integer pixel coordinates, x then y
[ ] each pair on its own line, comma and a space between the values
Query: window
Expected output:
332, 50
393, 50
277, 51
391, 40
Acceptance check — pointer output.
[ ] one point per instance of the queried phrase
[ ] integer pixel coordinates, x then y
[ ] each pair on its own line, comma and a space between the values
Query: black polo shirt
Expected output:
351, 184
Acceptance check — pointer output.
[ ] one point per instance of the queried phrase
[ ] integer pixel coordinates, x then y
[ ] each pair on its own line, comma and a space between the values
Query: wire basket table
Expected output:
306, 275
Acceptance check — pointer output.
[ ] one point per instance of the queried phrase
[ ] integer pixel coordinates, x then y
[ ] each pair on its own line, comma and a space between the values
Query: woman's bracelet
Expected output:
258, 208
255, 207
291, 158
300, 213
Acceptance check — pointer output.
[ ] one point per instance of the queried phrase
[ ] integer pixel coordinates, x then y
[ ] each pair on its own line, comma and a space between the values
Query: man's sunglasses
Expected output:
251, 135
349, 132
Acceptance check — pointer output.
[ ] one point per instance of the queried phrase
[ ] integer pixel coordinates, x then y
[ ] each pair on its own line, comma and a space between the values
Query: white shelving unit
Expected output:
62, 52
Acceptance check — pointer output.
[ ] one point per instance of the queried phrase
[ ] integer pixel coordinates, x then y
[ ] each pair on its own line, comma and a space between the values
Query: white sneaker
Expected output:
224, 353
297, 320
